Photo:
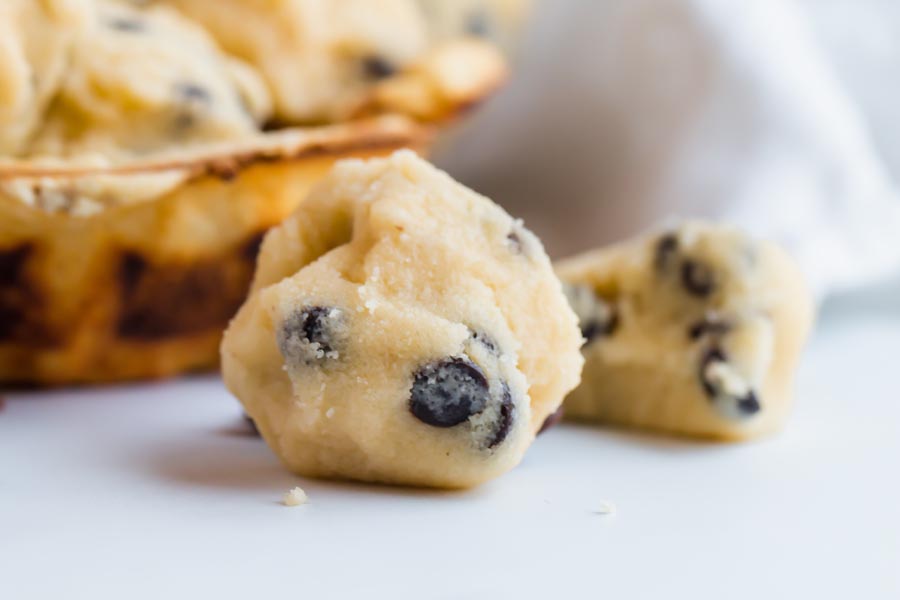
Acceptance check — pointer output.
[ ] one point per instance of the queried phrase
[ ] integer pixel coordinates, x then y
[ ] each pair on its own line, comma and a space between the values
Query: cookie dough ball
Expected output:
401, 329
695, 331
497, 21
138, 81
35, 41
320, 59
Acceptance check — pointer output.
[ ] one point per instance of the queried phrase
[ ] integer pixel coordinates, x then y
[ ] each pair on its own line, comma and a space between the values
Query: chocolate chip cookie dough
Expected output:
697, 331
123, 82
320, 59
401, 329
35, 41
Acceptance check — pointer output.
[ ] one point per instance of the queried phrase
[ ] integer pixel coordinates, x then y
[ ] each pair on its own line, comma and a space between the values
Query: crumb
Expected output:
605, 508
330, 412
295, 497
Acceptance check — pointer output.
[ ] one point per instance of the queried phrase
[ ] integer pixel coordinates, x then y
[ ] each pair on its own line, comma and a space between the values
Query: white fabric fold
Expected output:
629, 113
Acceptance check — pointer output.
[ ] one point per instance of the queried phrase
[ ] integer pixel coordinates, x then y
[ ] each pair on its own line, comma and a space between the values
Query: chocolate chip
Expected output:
728, 402
376, 67
310, 335
514, 242
697, 278
596, 316
191, 92
708, 327
191, 98
712, 355
126, 24
505, 419
518, 240
478, 24
749, 404
665, 248
447, 393
485, 340
594, 328
554, 418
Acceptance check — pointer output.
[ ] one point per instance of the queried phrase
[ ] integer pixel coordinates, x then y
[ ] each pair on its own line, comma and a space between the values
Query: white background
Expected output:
155, 491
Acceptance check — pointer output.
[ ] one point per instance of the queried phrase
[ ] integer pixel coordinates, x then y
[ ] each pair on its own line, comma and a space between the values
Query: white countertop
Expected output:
156, 491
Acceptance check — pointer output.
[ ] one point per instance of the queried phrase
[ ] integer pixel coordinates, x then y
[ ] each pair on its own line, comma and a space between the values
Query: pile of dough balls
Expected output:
401, 329
100, 77
321, 59
120, 79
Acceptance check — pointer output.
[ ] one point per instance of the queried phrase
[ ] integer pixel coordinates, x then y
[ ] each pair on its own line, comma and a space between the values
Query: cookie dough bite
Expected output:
695, 331
401, 329
320, 59
35, 40
140, 81
497, 21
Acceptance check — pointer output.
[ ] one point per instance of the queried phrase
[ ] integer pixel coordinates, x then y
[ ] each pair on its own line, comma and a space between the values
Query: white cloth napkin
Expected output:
627, 113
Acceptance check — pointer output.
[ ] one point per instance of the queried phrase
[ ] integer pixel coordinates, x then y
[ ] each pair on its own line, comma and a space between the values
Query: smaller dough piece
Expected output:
695, 331
146, 80
401, 329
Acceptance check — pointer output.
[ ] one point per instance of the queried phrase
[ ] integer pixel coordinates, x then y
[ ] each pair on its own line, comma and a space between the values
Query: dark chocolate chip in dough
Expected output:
749, 404
666, 247
745, 406
127, 24
505, 419
514, 242
377, 67
485, 340
448, 392
192, 92
478, 24
190, 97
552, 419
593, 328
697, 278
596, 316
312, 325
712, 355
708, 327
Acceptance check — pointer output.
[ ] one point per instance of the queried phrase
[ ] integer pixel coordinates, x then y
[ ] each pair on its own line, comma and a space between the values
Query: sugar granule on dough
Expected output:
295, 497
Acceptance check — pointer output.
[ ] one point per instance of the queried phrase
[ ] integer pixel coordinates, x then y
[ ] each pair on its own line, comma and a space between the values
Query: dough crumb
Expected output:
605, 508
295, 497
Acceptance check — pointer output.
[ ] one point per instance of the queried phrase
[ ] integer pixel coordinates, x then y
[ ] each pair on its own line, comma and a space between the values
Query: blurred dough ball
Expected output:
136, 81
35, 39
320, 59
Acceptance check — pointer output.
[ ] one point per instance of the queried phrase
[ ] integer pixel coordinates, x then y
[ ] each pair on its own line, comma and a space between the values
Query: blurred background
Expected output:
775, 114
